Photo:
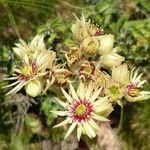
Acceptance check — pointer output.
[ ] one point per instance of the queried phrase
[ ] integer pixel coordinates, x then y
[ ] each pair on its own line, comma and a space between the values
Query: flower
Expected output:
36, 46
87, 70
73, 56
83, 29
106, 44
121, 74
115, 91
61, 76
31, 69
134, 92
101, 78
111, 59
82, 108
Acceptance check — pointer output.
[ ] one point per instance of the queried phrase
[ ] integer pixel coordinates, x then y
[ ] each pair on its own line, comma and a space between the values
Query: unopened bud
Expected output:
34, 88
90, 46
106, 44
111, 60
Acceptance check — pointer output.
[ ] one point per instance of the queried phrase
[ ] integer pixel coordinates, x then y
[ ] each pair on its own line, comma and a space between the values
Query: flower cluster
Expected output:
95, 91
38, 69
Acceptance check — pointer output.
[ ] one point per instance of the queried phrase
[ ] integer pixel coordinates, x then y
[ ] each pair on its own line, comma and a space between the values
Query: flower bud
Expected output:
90, 45
121, 74
34, 88
111, 60
106, 44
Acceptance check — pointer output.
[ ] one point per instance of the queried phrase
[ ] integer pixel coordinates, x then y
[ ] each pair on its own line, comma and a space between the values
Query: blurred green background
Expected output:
128, 20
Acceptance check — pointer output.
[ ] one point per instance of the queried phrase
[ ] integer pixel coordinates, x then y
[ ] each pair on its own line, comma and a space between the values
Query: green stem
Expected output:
121, 120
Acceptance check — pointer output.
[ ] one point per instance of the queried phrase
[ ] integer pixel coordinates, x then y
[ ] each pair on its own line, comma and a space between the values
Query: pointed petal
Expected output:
145, 92
119, 103
100, 118
71, 128
11, 78
93, 124
73, 93
16, 88
89, 130
141, 83
60, 113
135, 75
81, 90
95, 95
11, 84
79, 132
66, 95
101, 100
26, 59
62, 123
88, 92
61, 102
49, 83
139, 77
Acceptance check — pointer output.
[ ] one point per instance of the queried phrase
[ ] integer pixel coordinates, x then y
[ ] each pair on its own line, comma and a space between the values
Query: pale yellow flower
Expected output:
115, 91
87, 70
106, 44
111, 59
83, 29
134, 87
73, 56
35, 47
62, 76
31, 69
121, 74
82, 108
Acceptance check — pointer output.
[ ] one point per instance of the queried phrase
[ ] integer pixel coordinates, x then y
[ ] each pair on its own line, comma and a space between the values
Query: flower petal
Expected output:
100, 118
61, 102
100, 101
73, 93
95, 95
60, 113
71, 128
16, 88
93, 124
79, 132
81, 90
88, 92
67, 96
12, 84
62, 123
89, 130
